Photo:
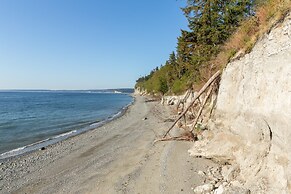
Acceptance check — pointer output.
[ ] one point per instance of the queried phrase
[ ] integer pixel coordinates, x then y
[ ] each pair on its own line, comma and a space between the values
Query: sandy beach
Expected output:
119, 157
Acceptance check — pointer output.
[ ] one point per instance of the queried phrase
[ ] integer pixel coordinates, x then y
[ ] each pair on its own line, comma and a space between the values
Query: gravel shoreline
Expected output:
41, 145
118, 157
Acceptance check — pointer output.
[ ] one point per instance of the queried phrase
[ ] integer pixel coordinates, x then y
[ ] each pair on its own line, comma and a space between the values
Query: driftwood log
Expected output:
203, 89
201, 108
184, 99
186, 136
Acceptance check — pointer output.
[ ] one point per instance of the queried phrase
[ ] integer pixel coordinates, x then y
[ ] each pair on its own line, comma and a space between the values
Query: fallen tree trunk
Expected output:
184, 99
201, 108
208, 83
187, 136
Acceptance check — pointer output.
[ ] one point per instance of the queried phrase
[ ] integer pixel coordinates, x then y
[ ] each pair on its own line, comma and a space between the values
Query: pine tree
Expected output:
210, 22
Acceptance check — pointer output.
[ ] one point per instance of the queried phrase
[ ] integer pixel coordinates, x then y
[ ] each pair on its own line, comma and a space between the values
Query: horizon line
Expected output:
65, 89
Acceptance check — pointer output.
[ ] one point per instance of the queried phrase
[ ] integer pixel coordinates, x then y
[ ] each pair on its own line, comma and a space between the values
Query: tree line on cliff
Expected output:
211, 23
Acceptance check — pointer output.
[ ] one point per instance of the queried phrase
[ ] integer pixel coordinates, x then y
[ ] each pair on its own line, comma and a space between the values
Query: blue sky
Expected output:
85, 44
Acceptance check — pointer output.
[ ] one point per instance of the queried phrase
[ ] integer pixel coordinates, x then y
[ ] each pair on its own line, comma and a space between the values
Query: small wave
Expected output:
65, 134
36, 143
95, 124
13, 151
21, 150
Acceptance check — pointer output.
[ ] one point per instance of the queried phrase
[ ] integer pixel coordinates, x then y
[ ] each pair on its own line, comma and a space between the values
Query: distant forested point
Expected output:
211, 23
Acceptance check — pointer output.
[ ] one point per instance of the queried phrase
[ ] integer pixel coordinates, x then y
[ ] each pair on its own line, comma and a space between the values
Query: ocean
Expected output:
32, 119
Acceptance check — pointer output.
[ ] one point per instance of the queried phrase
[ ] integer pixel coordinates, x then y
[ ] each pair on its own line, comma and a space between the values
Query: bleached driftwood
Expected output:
186, 136
203, 89
184, 100
201, 108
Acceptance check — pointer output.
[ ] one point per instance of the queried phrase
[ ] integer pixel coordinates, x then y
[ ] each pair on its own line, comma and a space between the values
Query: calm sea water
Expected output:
29, 117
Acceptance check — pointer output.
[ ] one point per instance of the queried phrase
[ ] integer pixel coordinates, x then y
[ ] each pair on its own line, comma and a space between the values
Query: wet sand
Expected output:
119, 157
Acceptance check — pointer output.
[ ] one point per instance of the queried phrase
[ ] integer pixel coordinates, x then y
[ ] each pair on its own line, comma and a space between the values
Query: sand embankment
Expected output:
251, 125
118, 157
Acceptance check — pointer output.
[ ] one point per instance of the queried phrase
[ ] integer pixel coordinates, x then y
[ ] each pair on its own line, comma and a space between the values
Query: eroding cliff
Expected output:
251, 130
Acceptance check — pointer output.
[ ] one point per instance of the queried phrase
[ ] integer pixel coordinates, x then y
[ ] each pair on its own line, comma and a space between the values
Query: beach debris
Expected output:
203, 189
201, 173
152, 100
145, 119
42, 148
208, 83
208, 88
186, 136
201, 108
219, 190
216, 183
169, 120
183, 101
172, 101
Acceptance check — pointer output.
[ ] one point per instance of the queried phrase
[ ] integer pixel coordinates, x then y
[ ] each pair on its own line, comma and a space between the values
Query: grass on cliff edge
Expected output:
269, 13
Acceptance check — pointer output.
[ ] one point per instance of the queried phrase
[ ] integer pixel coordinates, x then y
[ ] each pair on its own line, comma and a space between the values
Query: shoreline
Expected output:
119, 157
42, 144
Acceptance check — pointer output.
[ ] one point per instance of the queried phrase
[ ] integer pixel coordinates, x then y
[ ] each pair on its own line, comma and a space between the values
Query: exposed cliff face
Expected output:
252, 123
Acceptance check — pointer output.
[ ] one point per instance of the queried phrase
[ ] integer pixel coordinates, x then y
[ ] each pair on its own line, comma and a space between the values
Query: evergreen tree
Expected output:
210, 22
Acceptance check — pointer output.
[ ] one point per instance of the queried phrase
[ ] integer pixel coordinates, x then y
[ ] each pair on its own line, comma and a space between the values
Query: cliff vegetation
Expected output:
219, 31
